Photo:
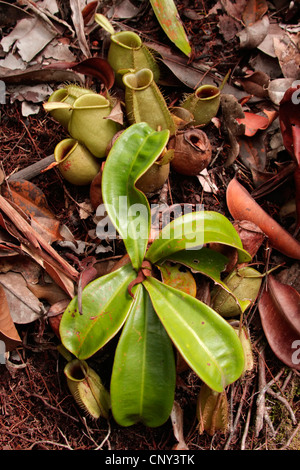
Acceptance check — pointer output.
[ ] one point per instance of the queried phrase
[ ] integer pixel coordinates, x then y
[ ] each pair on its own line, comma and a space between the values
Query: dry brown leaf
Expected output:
177, 423
231, 111
23, 304
8, 331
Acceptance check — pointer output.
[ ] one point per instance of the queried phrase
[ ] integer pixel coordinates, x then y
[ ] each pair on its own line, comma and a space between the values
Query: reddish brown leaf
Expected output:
289, 120
254, 122
93, 66
243, 207
279, 309
8, 331
254, 11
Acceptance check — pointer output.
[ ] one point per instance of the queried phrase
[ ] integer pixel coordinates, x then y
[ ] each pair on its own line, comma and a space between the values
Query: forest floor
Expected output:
37, 411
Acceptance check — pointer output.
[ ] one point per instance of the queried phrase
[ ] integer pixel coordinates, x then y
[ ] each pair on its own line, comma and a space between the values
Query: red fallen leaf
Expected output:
243, 207
255, 122
94, 66
289, 120
89, 11
279, 308
254, 11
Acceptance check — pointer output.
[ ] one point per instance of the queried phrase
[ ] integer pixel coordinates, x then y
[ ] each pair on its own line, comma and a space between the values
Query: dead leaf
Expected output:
277, 89
231, 112
23, 304
8, 331
254, 11
279, 308
48, 291
177, 424
254, 122
254, 34
251, 235
256, 83
78, 22
287, 51
212, 411
29, 36
243, 207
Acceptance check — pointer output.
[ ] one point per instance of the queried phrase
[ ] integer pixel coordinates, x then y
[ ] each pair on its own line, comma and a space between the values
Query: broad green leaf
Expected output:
205, 261
131, 155
191, 231
143, 376
168, 17
211, 264
105, 306
204, 339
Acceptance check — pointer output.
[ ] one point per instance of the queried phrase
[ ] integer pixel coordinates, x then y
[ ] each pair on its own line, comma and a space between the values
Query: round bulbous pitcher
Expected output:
88, 123
144, 101
203, 104
76, 164
127, 51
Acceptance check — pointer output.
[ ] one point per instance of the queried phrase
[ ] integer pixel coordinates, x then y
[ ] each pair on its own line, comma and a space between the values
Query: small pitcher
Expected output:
144, 101
203, 104
76, 164
127, 51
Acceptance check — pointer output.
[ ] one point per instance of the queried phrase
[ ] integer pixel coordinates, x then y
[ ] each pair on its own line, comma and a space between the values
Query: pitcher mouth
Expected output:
127, 39
64, 149
138, 80
207, 92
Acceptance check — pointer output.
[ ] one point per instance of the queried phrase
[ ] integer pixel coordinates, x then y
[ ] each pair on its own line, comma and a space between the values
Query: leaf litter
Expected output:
45, 254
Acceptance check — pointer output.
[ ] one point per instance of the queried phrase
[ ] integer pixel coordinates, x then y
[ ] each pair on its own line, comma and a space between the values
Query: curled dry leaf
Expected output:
251, 235
279, 308
254, 122
177, 423
212, 411
8, 331
254, 34
243, 207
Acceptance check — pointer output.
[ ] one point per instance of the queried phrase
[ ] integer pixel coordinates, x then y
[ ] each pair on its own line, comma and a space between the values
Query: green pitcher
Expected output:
144, 101
76, 164
127, 51
68, 95
203, 103
89, 123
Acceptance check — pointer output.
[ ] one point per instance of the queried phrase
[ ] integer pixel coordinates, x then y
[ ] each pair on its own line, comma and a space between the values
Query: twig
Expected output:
285, 402
260, 401
246, 429
32, 170
237, 417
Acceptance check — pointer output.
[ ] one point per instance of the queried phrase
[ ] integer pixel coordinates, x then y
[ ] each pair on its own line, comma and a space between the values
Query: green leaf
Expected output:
204, 261
204, 339
191, 231
168, 17
131, 155
143, 376
105, 306
211, 264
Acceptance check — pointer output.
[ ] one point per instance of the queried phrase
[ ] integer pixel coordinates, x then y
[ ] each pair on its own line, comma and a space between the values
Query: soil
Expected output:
37, 411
